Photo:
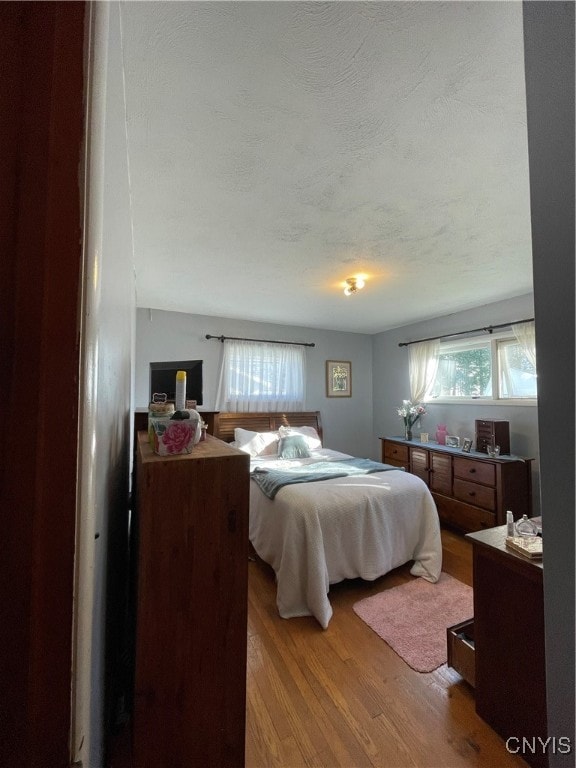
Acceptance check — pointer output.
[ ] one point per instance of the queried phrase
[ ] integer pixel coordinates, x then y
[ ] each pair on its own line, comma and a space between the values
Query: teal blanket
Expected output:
271, 480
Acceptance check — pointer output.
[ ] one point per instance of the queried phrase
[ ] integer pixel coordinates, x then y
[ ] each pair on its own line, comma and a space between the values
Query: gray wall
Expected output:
347, 421
108, 314
391, 383
549, 54
379, 374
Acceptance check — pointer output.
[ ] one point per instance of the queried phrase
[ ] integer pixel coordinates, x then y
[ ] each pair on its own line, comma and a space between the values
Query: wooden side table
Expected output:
509, 643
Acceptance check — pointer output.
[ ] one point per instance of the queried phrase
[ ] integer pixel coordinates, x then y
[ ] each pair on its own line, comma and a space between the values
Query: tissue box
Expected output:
170, 437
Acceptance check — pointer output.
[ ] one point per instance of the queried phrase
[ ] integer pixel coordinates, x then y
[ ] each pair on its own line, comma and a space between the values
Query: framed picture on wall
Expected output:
338, 378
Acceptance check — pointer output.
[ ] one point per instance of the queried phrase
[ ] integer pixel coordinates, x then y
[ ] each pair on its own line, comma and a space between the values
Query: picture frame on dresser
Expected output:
467, 445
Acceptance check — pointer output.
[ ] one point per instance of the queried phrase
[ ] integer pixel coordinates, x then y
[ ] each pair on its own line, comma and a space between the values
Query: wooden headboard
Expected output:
226, 423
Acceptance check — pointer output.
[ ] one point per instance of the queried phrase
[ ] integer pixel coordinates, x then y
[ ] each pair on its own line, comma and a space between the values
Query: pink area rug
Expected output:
413, 618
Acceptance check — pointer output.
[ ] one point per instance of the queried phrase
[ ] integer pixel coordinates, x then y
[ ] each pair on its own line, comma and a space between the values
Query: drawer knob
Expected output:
472, 493
472, 471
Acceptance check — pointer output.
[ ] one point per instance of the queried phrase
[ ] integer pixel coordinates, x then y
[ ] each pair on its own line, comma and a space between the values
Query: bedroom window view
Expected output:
464, 370
500, 368
517, 371
261, 376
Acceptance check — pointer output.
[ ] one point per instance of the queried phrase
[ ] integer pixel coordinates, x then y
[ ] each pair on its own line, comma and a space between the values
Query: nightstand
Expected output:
510, 675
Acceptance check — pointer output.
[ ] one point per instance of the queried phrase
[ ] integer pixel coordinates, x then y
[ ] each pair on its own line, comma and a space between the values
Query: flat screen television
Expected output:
163, 379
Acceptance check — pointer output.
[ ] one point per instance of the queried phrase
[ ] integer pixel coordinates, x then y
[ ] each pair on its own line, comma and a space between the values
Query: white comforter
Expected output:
317, 534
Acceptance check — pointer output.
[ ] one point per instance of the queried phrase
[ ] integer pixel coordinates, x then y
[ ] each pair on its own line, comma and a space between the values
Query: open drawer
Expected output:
461, 652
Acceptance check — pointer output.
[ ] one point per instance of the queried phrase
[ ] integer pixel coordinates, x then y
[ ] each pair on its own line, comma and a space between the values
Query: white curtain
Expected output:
423, 365
261, 376
525, 334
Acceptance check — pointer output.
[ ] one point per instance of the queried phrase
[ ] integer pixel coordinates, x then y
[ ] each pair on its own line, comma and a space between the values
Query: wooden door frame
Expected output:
41, 137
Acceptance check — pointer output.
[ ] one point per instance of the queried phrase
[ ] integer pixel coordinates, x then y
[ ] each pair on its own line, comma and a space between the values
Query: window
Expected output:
517, 373
464, 370
497, 368
261, 376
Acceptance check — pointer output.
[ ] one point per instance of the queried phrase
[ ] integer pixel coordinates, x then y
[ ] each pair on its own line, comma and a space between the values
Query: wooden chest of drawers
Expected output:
191, 627
471, 491
493, 432
509, 665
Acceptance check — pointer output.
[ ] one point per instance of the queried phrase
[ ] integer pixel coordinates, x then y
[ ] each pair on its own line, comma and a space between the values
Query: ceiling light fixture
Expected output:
353, 284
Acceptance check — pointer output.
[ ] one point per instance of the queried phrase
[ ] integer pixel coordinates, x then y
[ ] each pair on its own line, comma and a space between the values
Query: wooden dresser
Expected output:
472, 491
191, 625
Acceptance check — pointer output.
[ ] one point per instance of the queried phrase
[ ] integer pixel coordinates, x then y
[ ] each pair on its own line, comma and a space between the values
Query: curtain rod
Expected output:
266, 341
486, 329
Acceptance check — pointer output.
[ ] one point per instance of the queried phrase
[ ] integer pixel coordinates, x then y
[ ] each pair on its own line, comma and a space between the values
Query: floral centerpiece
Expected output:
410, 413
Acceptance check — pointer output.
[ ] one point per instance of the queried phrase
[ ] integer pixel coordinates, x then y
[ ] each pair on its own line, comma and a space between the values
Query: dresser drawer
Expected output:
473, 493
395, 454
461, 650
463, 516
476, 471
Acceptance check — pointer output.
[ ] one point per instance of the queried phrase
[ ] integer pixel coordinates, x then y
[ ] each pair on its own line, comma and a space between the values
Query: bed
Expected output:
362, 519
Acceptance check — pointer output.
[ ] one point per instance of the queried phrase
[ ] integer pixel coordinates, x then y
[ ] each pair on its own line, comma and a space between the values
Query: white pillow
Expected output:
310, 434
256, 443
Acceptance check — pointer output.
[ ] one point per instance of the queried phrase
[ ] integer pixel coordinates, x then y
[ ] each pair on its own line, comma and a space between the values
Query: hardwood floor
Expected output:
341, 697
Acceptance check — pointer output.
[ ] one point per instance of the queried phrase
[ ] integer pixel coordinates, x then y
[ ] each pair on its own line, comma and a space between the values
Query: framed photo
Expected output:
338, 378
452, 441
467, 445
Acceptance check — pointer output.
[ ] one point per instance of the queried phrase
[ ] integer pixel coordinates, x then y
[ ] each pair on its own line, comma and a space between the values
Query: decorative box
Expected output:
170, 437
492, 432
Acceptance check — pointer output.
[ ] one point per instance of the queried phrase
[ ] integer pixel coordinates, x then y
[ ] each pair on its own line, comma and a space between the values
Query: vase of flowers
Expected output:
410, 413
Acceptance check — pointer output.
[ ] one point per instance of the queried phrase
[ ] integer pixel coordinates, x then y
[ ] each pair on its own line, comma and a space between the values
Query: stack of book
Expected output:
529, 546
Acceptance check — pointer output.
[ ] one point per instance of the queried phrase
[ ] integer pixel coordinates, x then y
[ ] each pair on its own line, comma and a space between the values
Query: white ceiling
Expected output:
277, 148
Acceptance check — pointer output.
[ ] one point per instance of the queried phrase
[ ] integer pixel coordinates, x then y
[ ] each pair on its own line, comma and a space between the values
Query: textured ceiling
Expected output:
277, 148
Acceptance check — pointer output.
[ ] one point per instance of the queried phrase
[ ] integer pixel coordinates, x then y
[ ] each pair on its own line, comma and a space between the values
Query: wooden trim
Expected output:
41, 134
